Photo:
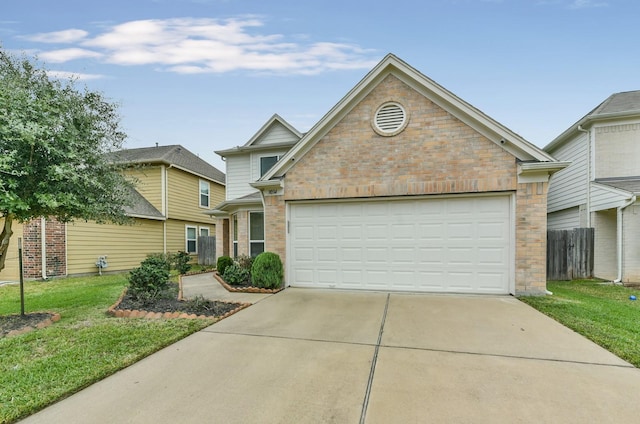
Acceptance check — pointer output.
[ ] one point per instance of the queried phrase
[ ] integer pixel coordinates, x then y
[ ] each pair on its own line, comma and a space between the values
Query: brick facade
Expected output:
435, 154
55, 248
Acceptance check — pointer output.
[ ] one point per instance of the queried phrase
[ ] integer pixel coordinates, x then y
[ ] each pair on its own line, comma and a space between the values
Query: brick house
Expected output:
404, 186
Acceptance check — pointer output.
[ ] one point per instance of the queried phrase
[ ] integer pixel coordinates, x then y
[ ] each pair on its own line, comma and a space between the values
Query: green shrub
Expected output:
180, 262
267, 271
148, 280
234, 274
245, 262
223, 263
160, 258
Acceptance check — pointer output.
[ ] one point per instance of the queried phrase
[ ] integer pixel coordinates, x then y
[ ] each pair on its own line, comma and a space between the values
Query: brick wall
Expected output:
55, 244
436, 154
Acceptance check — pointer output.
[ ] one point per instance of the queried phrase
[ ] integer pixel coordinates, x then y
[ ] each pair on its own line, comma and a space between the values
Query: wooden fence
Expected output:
570, 254
206, 250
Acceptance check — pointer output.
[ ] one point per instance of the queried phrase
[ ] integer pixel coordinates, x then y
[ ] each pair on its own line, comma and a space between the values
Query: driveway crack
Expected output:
365, 404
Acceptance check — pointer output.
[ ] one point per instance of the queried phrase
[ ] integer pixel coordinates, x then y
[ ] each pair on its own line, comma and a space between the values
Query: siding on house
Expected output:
568, 188
617, 149
125, 245
566, 219
276, 134
183, 190
605, 197
11, 271
176, 233
238, 176
149, 184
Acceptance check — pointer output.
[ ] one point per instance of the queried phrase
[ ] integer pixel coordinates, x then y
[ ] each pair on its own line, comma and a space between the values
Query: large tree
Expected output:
54, 145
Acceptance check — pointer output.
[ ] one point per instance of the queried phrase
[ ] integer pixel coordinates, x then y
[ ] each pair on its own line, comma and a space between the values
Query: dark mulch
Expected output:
168, 302
18, 322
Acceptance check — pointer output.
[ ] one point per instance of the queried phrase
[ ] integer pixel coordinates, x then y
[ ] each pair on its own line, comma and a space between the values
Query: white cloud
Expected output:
190, 45
584, 4
66, 36
65, 55
64, 75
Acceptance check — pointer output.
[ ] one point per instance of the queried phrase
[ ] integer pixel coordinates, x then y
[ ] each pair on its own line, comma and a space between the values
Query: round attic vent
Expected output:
390, 119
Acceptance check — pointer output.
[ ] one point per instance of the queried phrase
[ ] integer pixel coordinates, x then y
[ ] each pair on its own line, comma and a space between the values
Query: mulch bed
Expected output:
12, 325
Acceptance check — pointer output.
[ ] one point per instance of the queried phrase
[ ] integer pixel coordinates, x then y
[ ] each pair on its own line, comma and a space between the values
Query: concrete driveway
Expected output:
313, 356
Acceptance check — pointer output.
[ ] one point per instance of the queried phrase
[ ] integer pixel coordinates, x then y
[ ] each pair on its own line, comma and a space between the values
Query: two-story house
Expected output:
240, 229
600, 186
174, 190
400, 186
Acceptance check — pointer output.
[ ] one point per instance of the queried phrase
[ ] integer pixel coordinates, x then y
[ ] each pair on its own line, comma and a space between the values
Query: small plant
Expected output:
223, 263
235, 274
267, 271
199, 305
180, 262
148, 280
245, 262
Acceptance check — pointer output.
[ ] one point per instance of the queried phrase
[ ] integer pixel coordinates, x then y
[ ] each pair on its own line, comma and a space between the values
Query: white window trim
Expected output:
251, 241
208, 194
259, 164
186, 239
204, 228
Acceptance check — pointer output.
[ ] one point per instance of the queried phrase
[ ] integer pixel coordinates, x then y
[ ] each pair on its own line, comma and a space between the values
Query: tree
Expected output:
55, 142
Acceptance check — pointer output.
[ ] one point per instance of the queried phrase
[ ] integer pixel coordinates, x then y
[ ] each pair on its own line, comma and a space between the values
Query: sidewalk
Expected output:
207, 286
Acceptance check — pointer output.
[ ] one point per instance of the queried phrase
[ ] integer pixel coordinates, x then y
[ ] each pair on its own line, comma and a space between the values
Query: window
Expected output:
204, 194
266, 163
204, 231
191, 239
256, 233
235, 235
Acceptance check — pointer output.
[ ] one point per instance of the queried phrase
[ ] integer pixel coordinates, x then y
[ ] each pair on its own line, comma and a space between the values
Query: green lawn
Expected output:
86, 345
601, 312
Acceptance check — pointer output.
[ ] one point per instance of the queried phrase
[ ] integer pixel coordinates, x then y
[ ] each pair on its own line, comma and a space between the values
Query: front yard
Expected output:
602, 312
86, 345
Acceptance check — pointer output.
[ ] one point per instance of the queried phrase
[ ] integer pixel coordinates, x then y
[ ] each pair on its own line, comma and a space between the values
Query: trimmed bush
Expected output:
234, 274
267, 271
149, 279
180, 261
222, 264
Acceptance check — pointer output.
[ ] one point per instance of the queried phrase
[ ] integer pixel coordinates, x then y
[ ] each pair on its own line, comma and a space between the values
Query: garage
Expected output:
458, 244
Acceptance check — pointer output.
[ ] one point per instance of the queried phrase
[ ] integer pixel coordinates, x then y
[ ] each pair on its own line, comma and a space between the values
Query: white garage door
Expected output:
457, 245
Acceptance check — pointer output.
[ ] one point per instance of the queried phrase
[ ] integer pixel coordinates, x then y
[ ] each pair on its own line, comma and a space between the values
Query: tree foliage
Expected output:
54, 145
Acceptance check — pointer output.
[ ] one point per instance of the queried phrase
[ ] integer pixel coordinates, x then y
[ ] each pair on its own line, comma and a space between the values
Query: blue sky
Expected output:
208, 74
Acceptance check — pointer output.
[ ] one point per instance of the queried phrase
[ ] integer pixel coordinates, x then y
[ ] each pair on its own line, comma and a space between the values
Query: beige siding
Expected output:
11, 271
149, 184
217, 194
617, 150
183, 191
278, 133
238, 176
177, 233
125, 245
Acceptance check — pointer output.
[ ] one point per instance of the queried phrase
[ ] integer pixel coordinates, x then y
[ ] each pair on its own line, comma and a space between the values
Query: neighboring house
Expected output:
175, 189
400, 186
600, 186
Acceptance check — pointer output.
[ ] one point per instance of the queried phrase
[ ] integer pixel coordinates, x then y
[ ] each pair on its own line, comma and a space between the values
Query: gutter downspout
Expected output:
631, 201
589, 176
43, 247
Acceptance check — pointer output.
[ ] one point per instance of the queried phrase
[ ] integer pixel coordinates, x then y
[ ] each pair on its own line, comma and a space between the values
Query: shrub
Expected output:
148, 280
223, 263
160, 258
180, 262
234, 274
267, 271
245, 262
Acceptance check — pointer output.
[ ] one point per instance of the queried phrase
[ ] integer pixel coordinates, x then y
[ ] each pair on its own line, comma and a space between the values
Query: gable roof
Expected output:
618, 105
494, 131
252, 144
173, 155
141, 207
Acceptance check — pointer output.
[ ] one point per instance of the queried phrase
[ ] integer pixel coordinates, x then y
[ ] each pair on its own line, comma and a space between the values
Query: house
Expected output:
600, 186
400, 186
174, 190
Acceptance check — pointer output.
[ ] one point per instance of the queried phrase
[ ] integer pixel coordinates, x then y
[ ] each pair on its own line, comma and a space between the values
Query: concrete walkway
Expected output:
206, 285
314, 356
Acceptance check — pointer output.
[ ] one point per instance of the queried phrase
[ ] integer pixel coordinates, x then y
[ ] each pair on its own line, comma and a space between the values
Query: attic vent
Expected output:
390, 119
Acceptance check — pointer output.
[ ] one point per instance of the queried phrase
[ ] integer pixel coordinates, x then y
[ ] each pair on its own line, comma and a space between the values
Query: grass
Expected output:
85, 346
601, 312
